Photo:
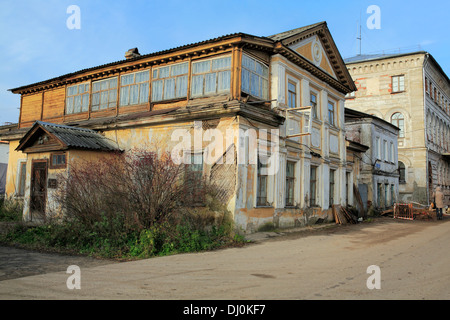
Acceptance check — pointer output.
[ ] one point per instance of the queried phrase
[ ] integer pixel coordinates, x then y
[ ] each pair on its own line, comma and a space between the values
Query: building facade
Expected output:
412, 92
378, 185
273, 105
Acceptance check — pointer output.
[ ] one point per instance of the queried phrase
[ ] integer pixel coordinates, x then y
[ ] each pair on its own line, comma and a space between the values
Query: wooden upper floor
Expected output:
232, 67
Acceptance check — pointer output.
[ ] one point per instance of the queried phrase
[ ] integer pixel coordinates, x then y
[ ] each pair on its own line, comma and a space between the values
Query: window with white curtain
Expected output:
170, 82
212, 76
104, 94
255, 77
77, 98
134, 88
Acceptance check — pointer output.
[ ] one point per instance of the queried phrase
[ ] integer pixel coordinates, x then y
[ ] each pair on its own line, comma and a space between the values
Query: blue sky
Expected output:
36, 44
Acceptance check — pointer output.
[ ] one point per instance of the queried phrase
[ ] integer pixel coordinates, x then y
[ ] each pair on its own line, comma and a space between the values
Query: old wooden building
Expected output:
254, 93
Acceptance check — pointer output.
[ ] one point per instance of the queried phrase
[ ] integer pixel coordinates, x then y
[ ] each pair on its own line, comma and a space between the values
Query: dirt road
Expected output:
331, 263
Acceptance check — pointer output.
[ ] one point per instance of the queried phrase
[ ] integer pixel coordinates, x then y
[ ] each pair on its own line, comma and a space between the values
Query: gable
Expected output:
312, 49
42, 141
315, 45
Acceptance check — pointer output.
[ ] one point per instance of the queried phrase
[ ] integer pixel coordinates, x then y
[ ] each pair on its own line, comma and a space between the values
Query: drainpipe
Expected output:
425, 63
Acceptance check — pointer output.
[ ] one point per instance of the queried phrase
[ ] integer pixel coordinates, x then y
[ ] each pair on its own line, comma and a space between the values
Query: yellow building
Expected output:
256, 96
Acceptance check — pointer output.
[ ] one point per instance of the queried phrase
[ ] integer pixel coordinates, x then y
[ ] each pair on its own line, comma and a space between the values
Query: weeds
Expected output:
131, 207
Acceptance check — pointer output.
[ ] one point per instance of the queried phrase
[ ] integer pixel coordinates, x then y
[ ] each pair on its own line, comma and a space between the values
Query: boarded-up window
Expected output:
134, 88
22, 176
104, 94
212, 76
170, 82
77, 98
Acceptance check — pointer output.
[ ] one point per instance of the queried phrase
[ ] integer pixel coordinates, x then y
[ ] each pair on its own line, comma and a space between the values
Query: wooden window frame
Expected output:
332, 182
290, 181
109, 90
204, 74
313, 186
264, 95
58, 166
139, 84
396, 79
331, 112
86, 92
292, 95
156, 77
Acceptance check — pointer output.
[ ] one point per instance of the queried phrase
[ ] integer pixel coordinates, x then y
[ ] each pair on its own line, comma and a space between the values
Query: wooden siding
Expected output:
53, 108
31, 109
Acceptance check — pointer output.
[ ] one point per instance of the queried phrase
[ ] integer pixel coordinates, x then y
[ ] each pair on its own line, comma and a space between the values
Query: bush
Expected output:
10, 209
132, 206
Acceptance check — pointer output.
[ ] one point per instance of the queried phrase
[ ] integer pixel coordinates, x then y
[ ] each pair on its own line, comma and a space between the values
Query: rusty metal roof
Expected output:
74, 137
60, 78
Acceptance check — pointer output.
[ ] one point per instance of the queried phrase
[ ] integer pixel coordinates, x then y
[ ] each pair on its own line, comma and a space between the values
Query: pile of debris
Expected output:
343, 216
411, 211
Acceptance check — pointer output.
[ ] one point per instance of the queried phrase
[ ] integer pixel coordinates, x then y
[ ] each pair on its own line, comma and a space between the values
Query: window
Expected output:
398, 120
385, 150
313, 186
398, 83
104, 94
211, 76
261, 197
77, 98
378, 148
379, 193
22, 176
347, 190
292, 95
332, 177
255, 78
391, 152
194, 176
350, 95
57, 161
331, 113
313, 102
386, 191
402, 172
392, 194
134, 88
290, 178
170, 82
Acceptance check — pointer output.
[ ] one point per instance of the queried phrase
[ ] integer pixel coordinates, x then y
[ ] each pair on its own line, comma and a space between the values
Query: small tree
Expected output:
135, 190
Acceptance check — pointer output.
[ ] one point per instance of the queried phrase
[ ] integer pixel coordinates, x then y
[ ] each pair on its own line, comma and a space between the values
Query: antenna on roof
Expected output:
359, 38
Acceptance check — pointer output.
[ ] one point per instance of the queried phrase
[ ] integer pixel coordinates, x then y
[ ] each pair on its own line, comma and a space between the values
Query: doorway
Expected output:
38, 189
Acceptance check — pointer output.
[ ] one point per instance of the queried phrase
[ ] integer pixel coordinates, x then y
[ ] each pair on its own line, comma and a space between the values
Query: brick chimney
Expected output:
132, 53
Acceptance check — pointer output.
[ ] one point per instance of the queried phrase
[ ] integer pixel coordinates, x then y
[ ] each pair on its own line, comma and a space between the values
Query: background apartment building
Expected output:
412, 92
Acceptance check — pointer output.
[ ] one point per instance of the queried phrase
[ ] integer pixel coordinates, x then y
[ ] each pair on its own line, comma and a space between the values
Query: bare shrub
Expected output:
134, 190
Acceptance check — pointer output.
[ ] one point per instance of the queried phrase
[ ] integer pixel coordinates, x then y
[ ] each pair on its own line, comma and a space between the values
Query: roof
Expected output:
62, 77
70, 137
286, 34
379, 56
344, 81
355, 114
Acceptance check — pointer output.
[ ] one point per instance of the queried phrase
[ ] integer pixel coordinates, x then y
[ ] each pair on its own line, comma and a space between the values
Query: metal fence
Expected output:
403, 211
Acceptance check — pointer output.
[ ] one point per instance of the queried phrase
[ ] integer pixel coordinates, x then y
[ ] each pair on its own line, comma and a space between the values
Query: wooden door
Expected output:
38, 189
